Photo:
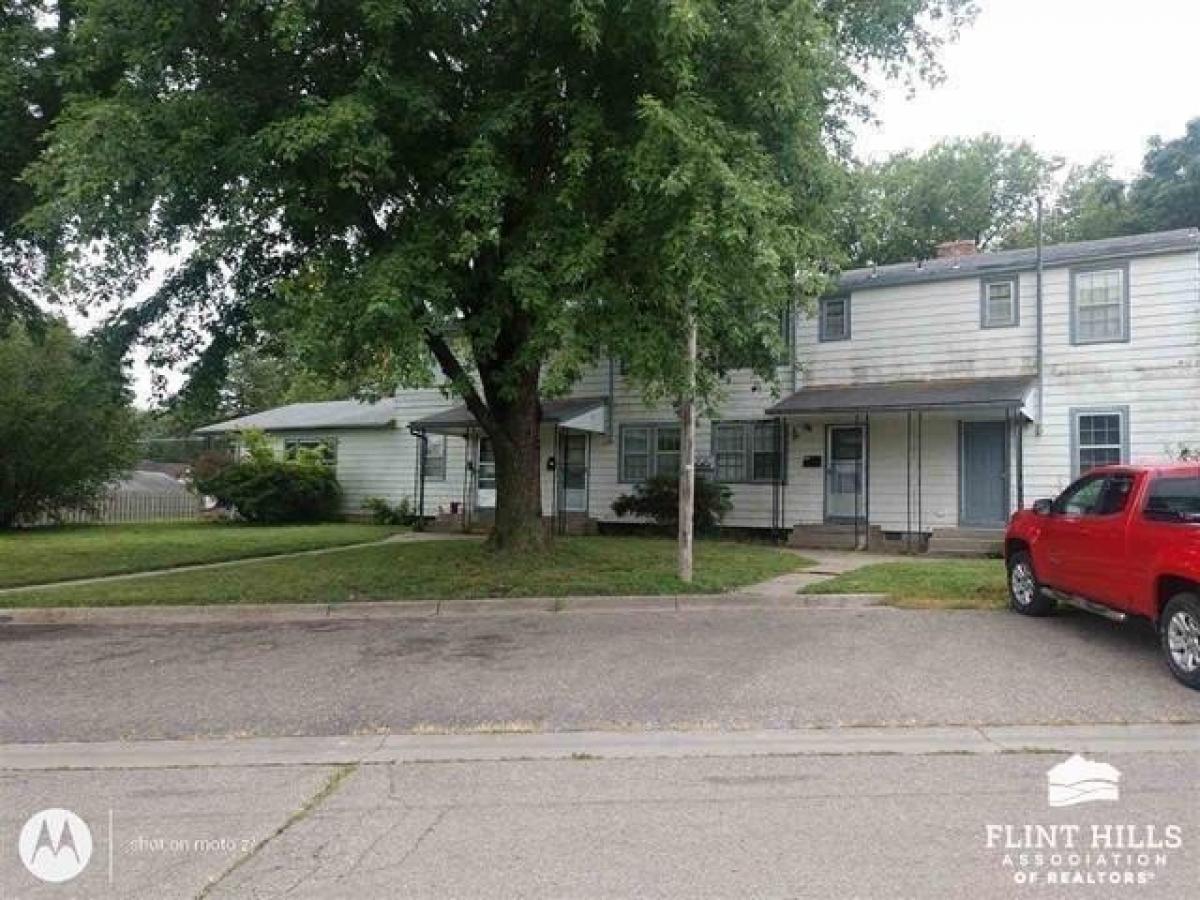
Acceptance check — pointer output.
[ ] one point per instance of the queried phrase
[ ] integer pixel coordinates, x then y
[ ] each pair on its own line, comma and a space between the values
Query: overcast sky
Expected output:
1078, 78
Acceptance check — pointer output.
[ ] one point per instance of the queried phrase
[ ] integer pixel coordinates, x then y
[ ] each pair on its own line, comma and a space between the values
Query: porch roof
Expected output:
572, 412
906, 395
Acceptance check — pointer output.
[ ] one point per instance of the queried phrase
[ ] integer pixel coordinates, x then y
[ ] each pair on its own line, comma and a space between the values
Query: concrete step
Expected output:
826, 536
967, 542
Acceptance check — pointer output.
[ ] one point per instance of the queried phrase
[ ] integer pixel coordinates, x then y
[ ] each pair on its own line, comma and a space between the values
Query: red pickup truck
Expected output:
1120, 541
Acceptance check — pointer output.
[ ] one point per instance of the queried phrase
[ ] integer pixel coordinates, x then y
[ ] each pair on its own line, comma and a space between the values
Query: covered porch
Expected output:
905, 466
568, 427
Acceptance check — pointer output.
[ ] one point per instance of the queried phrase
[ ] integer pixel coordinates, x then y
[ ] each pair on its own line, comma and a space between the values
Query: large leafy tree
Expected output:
1091, 203
1167, 192
505, 188
32, 38
982, 189
66, 424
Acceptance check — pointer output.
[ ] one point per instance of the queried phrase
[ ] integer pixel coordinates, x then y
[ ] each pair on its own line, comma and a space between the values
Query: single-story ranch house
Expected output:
923, 402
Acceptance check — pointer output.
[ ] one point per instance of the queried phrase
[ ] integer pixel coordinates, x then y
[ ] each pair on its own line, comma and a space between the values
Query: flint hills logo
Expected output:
1079, 780
55, 845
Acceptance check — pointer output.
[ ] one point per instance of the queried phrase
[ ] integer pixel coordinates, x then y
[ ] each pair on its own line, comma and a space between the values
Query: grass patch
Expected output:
950, 584
44, 555
442, 569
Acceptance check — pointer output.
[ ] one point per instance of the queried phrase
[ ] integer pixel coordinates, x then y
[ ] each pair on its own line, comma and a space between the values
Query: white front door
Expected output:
485, 476
845, 473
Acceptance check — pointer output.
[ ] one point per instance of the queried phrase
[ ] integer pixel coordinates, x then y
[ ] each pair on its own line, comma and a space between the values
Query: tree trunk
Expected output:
516, 439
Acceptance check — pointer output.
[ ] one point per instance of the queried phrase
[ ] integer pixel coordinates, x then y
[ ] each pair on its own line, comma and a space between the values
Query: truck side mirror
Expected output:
1043, 507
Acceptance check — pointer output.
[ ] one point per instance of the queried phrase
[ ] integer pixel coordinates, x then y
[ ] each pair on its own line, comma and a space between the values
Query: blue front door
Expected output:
983, 474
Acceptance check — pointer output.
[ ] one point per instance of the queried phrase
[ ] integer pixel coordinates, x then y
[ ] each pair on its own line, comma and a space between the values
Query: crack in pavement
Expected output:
327, 790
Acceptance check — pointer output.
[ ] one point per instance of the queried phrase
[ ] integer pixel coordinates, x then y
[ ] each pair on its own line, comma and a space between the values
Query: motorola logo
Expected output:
55, 845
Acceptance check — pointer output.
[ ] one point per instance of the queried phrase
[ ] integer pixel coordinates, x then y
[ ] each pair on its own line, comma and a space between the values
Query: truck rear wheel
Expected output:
1025, 594
1179, 627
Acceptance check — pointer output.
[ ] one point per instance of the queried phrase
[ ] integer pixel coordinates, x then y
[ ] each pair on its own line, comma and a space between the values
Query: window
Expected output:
787, 334
834, 324
746, 451
667, 448
1099, 305
1115, 498
1081, 498
1174, 499
635, 453
1100, 438
648, 450
435, 457
1097, 495
1000, 303
326, 447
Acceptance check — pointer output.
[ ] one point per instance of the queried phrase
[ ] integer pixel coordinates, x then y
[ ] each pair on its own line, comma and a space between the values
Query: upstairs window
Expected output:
1100, 438
1100, 305
1000, 304
834, 323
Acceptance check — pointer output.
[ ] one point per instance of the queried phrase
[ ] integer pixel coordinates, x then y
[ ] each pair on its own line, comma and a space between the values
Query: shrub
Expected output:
383, 513
67, 428
267, 490
657, 498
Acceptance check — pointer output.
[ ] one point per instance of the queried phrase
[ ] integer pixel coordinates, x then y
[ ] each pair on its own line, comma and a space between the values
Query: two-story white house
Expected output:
922, 404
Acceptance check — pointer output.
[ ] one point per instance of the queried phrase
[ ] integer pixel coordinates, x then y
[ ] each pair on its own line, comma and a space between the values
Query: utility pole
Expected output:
687, 452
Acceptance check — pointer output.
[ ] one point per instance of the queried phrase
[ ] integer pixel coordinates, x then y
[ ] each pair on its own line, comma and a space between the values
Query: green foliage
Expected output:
979, 189
253, 380
384, 513
657, 498
30, 86
267, 490
576, 566
66, 425
1167, 193
506, 188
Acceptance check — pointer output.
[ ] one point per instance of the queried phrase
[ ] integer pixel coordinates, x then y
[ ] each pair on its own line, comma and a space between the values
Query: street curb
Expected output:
300, 613
489, 747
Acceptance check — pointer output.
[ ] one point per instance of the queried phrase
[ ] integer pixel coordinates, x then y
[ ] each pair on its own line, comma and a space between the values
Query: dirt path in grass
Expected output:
404, 537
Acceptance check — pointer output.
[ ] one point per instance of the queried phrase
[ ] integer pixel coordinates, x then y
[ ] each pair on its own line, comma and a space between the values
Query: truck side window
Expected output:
1174, 499
1082, 498
1115, 498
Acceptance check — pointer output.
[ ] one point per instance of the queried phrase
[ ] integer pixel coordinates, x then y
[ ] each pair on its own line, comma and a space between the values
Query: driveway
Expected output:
693, 669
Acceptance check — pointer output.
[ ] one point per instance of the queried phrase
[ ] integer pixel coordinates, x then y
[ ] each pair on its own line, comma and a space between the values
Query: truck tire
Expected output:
1025, 594
1179, 627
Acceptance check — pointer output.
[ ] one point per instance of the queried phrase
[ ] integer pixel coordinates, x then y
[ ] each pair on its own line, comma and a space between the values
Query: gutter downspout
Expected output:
1041, 364
612, 385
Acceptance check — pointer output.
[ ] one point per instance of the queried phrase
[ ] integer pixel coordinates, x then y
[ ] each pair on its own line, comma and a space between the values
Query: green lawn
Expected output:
948, 584
43, 555
442, 569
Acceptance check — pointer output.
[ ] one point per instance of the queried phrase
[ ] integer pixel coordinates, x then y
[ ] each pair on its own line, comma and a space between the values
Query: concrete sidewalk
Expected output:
827, 565
902, 822
499, 747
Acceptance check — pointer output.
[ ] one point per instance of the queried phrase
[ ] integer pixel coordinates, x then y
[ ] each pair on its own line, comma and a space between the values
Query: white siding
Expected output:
1156, 373
919, 332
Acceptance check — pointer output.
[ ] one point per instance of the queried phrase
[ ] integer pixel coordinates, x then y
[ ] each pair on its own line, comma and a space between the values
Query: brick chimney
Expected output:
951, 249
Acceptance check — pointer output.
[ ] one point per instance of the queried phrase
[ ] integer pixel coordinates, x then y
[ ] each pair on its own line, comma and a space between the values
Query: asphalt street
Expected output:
694, 669
827, 826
